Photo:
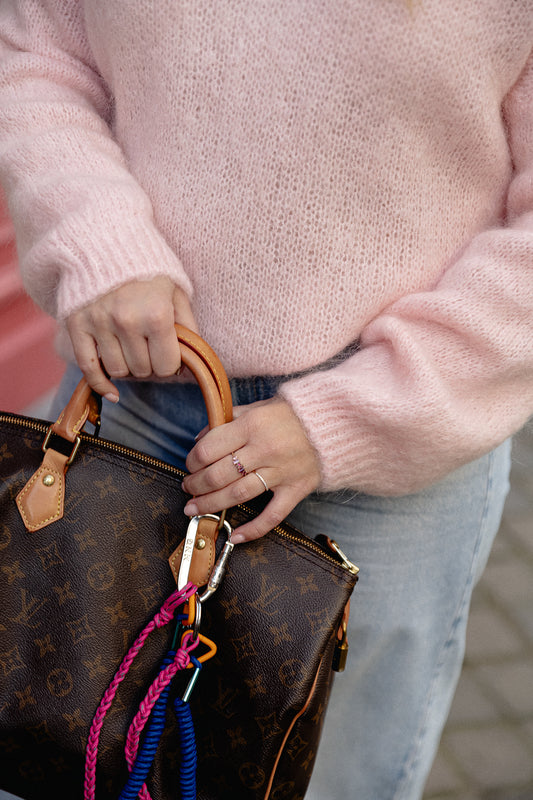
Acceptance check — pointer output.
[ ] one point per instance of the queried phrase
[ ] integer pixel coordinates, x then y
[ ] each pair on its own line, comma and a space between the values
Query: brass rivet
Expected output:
49, 480
200, 544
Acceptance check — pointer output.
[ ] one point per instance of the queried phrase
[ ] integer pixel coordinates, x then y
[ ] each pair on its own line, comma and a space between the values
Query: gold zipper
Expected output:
42, 427
343, 561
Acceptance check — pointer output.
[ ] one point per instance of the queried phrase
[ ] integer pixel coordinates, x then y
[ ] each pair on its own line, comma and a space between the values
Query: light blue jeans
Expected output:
420, 557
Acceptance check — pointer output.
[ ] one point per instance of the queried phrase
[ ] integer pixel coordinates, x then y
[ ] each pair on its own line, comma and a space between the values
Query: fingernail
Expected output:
113, 398
237, 538
191, 510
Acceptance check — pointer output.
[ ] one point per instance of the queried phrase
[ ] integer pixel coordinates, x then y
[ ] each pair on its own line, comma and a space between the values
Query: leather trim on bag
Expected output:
41, 500
203, 560
290, 728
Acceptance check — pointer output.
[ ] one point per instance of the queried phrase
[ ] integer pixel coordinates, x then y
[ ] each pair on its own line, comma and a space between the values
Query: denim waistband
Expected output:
262, 387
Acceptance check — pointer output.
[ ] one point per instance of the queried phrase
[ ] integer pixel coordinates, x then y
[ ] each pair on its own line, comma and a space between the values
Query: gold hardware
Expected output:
49, 480
340, 653
142, 458
200, 544
346, 563
74, 449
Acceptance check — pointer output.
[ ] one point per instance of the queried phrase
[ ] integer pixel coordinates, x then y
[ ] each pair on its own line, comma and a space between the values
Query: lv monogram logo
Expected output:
10, 660
4, 452
74, 720
101, 576
64, 593
269, 725
95, 667
106, 486
307, 584
244, 646
45, 645
76, 597
158, 507
268, 597
5, 537
251, 775
13, 572
80, 629
122, 523
50, 556
59, 682
136, 560
30, 608
25, 697
116, 612
225, 703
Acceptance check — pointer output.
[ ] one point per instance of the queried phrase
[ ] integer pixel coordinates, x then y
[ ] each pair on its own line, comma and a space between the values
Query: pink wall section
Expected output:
29, 367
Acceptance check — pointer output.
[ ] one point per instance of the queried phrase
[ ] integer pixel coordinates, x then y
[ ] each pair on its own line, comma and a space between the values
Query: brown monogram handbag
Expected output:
92, 541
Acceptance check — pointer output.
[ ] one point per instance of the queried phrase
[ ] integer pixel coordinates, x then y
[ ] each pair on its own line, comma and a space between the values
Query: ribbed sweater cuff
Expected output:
131, 250
349, 456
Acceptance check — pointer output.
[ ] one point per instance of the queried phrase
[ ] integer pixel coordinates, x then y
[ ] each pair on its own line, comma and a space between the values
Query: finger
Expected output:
136, 355
240, 491
86, 355
182, 310
164, 353
201, 433
223, 472
237, 411
112, 357
215, 445
274, 513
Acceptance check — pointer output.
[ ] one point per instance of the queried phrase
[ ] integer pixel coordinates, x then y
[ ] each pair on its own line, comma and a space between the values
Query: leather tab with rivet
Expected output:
41, 500
203, 558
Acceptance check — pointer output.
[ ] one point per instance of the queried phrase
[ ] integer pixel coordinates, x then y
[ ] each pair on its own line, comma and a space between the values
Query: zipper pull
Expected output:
346, 563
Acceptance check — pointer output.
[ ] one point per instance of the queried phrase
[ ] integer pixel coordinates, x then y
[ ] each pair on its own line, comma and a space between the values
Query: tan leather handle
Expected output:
196, 354
41, 500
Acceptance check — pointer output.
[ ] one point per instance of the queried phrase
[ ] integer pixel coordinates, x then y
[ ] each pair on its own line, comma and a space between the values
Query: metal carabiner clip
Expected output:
189, 544
217, 573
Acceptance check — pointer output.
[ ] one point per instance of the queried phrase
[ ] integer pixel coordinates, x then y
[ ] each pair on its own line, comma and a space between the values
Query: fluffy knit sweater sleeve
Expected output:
445, 374
442, 375
314, 175
76, 207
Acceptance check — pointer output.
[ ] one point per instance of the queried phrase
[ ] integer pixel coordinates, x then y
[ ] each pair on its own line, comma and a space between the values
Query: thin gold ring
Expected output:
263, 481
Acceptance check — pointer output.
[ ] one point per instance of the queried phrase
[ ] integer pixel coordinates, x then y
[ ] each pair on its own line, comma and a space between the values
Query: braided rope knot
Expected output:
174, 601
180, 661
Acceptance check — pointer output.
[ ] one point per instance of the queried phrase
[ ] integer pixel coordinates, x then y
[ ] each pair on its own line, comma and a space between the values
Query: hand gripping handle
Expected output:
40, 502
200, 359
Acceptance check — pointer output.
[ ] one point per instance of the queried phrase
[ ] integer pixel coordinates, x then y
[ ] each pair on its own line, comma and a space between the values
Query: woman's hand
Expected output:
267, 437
130, 331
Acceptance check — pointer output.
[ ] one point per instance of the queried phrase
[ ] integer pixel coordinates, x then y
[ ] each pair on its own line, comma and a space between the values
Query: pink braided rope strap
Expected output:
161, 618
181, 661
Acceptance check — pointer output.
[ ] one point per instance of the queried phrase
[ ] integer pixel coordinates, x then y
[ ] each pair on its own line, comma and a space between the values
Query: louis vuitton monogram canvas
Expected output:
74, 595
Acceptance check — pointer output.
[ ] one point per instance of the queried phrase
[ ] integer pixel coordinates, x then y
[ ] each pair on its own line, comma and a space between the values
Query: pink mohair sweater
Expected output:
313, 173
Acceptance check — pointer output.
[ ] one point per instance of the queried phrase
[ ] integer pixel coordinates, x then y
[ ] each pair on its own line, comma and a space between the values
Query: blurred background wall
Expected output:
29, 368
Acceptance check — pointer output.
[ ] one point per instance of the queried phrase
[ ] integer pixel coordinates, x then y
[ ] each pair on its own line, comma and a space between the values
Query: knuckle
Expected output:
90, 366
118, 372
125, 317
269, 519
240, 491
99, 386
201, 452
157, 318
141, 372
213, 478
167, 371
